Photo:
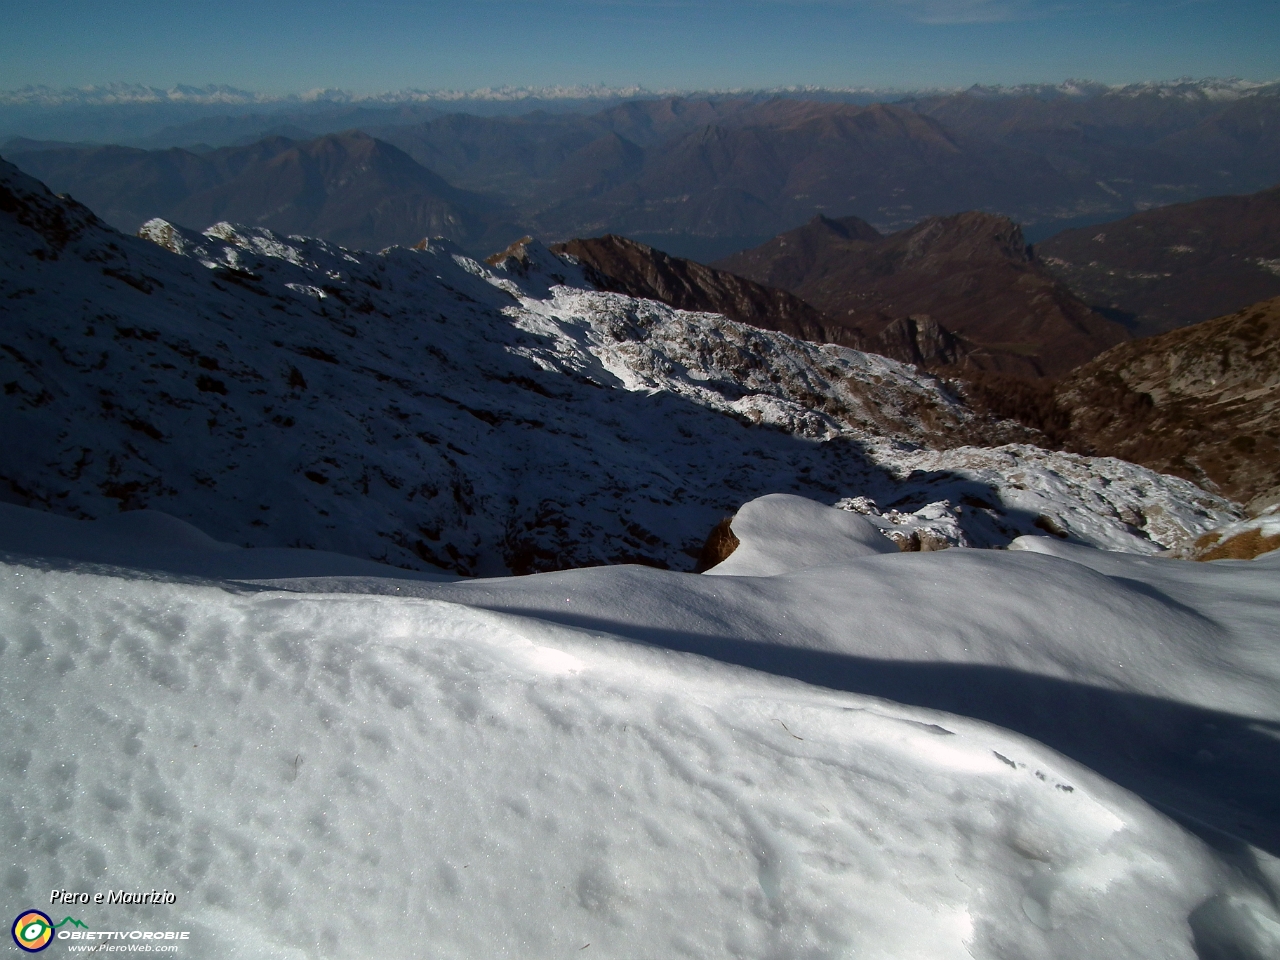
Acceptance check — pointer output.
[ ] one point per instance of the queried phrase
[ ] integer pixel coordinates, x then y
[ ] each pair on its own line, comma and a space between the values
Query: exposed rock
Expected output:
920, 340
972, 273
720, 544
625, 266
1242, 540
1202, 403
638, 270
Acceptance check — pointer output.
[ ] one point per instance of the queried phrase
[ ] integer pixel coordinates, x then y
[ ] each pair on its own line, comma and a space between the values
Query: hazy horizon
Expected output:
693, 45
116, 92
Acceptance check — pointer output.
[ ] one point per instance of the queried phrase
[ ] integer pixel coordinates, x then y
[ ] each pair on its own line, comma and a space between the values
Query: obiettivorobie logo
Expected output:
34, 930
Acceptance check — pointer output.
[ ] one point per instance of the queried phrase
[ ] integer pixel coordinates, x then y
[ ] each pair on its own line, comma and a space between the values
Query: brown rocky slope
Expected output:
972, 273
625, 266
1202, 403
1176, 265
638, 270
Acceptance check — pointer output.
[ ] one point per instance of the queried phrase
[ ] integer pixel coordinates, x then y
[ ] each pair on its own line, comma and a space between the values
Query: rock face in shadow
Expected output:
1177, 265
920, 340
638, 270
626, 266
1201, 403
971, 272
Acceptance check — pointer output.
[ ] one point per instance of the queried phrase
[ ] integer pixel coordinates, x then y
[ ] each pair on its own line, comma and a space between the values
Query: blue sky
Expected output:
375, 45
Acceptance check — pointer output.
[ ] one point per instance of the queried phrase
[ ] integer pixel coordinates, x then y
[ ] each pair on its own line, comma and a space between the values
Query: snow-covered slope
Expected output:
543, 766
418, 408
828, 749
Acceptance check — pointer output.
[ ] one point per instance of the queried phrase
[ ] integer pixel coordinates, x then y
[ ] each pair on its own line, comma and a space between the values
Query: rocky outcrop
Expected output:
1202, 402
1241, 540
920, 340
638, 270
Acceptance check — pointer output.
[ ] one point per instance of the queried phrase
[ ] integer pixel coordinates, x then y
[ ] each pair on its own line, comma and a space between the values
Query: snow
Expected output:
781, 533
524, 766
1101, 501
421, 409
154, 540
827, 748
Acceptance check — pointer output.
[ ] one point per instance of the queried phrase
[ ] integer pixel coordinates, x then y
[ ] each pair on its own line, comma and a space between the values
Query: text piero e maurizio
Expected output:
114, 896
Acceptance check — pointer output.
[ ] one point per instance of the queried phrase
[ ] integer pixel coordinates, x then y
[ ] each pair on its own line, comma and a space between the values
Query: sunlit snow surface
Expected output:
356, 766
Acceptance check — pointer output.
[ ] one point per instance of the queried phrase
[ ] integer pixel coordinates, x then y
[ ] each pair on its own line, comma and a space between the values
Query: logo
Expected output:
33, 931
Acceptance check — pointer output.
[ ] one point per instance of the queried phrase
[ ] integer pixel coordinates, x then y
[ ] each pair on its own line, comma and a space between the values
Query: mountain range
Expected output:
702, 177
351, 188
970, 276
267, 503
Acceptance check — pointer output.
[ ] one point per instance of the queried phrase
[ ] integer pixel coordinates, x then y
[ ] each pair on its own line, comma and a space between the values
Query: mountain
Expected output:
693, 169
797, 257
419, 408
704, 176
637, 270
130, 186
1130, 148
1202, 402
143, 116
842, 740
350, 188
763, 167
1176, 265
625, 266
520, 158
970, 273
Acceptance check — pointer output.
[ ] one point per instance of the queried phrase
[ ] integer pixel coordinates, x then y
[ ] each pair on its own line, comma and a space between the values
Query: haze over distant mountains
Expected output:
348, 188
927, 263
702, 176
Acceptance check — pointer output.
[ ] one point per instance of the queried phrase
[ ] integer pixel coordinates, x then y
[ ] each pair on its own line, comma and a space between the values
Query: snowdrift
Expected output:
582, 761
